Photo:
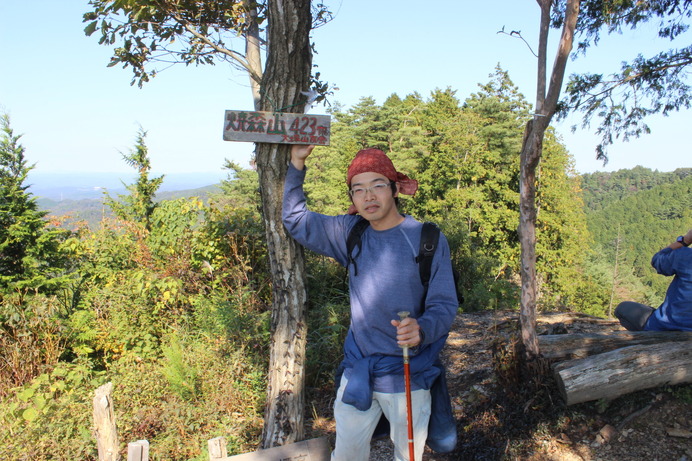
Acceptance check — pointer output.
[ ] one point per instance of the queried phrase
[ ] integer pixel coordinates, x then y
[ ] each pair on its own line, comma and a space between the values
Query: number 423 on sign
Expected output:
280, 128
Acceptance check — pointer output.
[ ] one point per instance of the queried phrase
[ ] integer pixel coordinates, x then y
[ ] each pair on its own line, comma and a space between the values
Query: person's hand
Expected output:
407, 332
688, 237
299, 152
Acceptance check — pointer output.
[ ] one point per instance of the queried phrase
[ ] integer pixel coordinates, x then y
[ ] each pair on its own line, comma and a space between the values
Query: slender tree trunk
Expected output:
531, 151
530, 157
252, 51
615, 274
287, 73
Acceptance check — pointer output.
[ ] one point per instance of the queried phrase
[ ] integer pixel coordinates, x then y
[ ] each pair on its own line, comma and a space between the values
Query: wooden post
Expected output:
217, 448
105, 430
138, 451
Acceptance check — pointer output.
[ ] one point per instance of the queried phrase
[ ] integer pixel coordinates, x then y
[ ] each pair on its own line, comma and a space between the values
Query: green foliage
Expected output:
146, 34
29, 250
53, 409
34, 274
185, 31
30, 338
227, 400
181, 376
328, 318
170, 300
185, 344
562, 233
644, 86
139, 205
240, 189
465, 158
601, 189
645, 220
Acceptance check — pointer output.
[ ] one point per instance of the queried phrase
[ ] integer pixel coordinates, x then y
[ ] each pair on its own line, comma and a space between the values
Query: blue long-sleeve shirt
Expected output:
387, 282
676, 311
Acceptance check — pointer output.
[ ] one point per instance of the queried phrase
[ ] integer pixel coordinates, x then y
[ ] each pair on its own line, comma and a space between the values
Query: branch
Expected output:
517, 34
234, 55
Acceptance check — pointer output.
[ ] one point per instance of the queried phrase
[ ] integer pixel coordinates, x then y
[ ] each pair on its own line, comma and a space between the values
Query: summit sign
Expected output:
278, 128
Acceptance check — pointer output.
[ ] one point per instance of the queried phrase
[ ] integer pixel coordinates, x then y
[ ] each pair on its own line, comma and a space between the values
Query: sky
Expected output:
77, 115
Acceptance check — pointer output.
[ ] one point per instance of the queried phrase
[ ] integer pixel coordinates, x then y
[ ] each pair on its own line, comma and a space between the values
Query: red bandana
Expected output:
376, 161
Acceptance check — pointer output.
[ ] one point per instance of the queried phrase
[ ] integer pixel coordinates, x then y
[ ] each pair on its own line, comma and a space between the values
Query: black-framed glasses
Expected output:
377, 189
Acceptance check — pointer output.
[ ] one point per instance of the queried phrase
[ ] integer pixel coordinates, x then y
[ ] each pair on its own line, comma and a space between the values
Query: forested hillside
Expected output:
631, 215
168, 298
603, 188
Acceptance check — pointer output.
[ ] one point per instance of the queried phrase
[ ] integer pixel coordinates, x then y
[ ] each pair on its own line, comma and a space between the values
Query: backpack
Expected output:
430, 236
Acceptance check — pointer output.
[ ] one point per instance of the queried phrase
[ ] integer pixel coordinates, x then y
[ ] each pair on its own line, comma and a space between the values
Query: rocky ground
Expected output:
498, 420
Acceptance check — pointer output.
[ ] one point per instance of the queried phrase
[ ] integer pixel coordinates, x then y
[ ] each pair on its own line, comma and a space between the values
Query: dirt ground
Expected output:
497, 420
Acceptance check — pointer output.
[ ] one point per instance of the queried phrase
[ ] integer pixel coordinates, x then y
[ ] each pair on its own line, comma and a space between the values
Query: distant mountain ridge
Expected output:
79, 186
77, 197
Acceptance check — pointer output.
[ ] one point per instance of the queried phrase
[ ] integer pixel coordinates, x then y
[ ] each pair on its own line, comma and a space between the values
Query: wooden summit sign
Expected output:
279, 128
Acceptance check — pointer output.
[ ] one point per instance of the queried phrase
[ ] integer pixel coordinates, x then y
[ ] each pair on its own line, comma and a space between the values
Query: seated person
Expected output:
676, 311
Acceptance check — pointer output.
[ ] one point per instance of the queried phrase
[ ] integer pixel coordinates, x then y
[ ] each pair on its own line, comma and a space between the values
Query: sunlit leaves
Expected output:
167, 31
658, 84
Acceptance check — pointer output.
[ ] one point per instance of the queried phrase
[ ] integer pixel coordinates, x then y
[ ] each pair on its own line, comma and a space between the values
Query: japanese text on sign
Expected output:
277, 128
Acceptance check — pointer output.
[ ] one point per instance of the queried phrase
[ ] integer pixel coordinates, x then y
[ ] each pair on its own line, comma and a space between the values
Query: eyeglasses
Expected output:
377, 189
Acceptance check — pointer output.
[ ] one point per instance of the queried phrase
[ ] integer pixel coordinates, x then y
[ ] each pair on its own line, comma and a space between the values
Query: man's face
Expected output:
372, 195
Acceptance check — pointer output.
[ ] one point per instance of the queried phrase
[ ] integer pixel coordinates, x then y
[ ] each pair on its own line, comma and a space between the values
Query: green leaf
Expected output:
90, 28
26, 394
30, 414
40, 401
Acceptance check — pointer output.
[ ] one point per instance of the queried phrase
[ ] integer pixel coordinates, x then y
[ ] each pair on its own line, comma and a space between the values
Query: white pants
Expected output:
354, 428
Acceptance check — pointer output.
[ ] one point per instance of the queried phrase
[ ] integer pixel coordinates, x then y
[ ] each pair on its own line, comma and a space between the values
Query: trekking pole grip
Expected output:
402, 315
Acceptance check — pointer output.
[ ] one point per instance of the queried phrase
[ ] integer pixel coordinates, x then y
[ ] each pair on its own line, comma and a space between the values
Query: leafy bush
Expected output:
50, 417
328, 318
30, 338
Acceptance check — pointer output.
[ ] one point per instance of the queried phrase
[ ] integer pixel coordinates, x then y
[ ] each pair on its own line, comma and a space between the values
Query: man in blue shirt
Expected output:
676, 311
383, 280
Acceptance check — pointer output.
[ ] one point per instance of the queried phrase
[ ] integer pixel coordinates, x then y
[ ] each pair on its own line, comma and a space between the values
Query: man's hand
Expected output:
299, 152
407, 332
688, 237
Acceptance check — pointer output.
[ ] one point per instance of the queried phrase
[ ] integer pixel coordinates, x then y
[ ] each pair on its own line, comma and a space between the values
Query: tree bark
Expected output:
252, 52
531, 151
579, 346
625, 370
288, 68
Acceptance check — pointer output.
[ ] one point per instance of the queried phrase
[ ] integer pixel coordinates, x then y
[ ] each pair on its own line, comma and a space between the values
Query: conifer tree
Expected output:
28, 251
139, 205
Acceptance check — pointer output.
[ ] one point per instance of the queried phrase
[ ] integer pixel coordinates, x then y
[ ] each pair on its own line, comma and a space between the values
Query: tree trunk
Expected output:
530, 156
289, 63
252, 52
625, 370
531, 151
579, 346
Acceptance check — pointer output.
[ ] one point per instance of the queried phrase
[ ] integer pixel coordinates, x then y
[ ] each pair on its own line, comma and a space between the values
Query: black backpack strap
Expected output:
429, 237
353, 241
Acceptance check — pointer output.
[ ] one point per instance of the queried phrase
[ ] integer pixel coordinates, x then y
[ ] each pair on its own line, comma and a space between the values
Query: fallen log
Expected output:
621, 371
581, 345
